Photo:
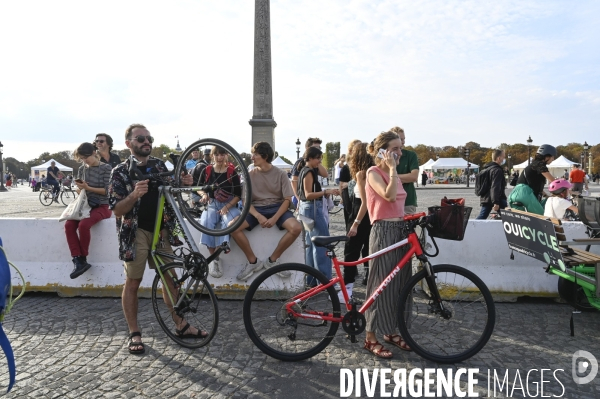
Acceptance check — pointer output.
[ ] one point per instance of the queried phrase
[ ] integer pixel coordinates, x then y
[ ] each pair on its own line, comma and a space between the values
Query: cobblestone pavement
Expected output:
76, 348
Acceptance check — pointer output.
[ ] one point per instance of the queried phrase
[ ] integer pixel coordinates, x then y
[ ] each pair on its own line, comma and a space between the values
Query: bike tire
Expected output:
336, 200
574, 295
468, 325
200, 309
68, 196
192, 216
46, 197
277, 334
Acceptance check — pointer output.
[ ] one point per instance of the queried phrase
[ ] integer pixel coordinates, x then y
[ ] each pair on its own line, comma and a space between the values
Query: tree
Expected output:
246, 158
286, 160
331, 154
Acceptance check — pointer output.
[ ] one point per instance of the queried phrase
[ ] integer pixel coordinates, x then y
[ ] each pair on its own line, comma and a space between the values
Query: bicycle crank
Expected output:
354, 323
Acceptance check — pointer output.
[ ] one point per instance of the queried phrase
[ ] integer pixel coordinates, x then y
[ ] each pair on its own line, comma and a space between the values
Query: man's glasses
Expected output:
99, 141
141, 139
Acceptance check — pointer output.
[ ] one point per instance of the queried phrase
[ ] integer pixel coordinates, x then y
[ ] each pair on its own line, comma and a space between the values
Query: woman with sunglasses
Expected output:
92, 177
104, 144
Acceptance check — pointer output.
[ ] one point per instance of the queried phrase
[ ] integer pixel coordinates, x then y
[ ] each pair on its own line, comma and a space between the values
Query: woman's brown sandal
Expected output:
381, 352
397, 341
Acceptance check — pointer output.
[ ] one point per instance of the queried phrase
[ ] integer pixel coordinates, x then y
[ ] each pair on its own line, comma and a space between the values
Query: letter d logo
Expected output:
582, 366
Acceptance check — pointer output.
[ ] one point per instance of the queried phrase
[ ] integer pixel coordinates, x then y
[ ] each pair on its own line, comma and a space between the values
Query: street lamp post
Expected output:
298, 148
509, 156
2, 188
586, 147
582, 161
529, 141
467, 153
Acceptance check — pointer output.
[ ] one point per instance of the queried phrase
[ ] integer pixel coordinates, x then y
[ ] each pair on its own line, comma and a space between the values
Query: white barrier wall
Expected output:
485, 252
38, 247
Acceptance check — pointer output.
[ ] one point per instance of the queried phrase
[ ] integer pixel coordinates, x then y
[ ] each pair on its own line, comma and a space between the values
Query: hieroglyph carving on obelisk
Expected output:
262, 122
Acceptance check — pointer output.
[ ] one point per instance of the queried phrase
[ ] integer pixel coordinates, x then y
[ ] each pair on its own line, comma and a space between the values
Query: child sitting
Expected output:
557, 205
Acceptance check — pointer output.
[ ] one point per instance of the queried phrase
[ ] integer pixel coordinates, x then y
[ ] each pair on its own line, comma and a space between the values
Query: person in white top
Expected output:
557, 204
339, 164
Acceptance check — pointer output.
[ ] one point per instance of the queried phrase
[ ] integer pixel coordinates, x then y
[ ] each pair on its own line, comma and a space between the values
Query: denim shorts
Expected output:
268, 212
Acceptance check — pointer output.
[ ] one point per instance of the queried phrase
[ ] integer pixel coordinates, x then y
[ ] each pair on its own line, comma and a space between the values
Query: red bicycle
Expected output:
451, 319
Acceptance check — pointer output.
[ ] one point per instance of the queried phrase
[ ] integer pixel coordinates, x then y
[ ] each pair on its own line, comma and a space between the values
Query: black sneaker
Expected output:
81, 267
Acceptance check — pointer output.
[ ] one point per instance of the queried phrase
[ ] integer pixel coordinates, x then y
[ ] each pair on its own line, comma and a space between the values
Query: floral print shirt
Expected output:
119, 187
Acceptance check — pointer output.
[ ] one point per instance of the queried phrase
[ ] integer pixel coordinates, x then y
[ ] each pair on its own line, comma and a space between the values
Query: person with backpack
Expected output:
222, 202
530, 186
490, 185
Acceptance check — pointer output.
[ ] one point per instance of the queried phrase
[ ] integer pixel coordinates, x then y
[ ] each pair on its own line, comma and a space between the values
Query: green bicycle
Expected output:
180, 290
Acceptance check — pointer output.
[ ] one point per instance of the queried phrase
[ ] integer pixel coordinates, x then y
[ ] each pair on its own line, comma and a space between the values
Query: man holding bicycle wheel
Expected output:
135, 204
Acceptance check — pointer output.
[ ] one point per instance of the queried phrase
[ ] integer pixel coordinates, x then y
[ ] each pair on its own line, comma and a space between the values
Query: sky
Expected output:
446, 71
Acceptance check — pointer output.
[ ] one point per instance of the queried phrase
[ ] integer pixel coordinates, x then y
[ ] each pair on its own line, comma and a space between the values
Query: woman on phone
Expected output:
92, 177
385, 198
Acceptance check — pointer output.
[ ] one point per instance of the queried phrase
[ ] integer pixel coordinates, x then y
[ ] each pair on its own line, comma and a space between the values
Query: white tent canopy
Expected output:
558, 166
37, 171
522, 165
426, 166
281, 164
451, 163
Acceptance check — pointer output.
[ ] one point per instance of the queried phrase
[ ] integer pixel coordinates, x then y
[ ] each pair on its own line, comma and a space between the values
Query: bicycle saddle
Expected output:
324, 241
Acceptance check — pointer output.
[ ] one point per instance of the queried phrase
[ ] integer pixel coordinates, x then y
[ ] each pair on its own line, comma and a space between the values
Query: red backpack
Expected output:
230, 171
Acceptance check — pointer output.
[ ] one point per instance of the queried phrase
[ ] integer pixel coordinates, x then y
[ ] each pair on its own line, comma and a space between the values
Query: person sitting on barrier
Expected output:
222, 203
385, 198
135, 204
92, 177
271, 199
531, 182
558, 204
311, 198
52, 179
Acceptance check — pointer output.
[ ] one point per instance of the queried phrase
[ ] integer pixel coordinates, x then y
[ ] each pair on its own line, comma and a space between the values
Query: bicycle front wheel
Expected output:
190, 301
275, 331
46, 197
238, 182
457, 328
68, 196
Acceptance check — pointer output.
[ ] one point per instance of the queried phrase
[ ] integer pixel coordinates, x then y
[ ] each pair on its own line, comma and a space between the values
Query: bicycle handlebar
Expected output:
136, 174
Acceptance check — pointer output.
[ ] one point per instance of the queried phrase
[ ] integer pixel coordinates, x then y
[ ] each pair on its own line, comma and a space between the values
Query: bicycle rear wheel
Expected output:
190, 211
279, 334
461, 328
46, 197
198, 308
68, 196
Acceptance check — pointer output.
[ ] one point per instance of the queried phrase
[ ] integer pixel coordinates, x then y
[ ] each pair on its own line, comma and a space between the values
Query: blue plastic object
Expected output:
5, 292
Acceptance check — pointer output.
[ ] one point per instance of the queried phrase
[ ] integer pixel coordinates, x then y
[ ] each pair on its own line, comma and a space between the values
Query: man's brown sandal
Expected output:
397, 341
181, 333
136, 344
381, 352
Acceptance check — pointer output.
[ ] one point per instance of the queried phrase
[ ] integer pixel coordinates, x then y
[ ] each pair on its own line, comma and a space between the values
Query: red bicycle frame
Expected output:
415, 249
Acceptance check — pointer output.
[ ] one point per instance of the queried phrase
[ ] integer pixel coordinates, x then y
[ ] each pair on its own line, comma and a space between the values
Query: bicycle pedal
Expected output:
352, 338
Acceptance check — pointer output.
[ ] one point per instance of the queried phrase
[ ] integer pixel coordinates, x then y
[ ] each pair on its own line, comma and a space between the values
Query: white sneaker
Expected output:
214, 268
348, 290
283, 274
249, 269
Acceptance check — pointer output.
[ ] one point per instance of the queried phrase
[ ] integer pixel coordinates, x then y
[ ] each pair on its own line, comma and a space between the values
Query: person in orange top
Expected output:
577, 178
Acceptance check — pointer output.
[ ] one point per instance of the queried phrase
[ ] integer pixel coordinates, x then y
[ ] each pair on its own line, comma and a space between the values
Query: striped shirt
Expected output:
97, 177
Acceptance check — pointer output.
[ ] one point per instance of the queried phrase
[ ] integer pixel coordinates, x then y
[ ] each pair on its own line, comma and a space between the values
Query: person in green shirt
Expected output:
408, 172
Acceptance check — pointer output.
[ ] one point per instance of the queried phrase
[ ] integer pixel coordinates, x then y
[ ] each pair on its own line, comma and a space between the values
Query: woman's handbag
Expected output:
308, 223
78, 209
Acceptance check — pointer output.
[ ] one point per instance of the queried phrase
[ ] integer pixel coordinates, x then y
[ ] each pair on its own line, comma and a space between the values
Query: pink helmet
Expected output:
558, 186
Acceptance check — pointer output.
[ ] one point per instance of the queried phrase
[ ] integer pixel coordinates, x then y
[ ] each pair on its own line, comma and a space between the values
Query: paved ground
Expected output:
76, 347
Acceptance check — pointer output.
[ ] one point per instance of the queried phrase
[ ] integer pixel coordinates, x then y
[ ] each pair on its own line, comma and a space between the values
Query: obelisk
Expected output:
262, 122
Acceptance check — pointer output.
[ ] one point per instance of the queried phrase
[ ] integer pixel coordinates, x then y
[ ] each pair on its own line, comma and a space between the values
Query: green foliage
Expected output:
286, 160
331, 154
247, 158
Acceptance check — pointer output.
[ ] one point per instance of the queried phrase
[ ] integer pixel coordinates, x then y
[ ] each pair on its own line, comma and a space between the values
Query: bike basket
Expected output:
448, 222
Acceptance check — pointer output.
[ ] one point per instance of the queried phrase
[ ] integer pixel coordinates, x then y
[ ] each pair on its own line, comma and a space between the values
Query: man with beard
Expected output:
134, 205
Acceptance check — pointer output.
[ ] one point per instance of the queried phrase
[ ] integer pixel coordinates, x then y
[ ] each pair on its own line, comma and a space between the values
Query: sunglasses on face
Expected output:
141, 139
99, 141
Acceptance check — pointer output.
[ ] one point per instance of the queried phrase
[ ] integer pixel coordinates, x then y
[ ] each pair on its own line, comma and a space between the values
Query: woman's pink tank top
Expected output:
377, 206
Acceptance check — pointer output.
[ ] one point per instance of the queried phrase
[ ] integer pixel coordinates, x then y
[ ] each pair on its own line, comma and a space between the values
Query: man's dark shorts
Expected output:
268, 211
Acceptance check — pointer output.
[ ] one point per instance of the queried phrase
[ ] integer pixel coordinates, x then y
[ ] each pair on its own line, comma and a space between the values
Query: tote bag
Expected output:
78, 209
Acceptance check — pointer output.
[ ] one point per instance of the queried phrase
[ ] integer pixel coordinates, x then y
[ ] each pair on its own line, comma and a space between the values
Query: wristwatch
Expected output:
357, 221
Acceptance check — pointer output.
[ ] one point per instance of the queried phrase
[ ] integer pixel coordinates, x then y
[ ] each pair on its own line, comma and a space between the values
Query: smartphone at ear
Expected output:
381, 154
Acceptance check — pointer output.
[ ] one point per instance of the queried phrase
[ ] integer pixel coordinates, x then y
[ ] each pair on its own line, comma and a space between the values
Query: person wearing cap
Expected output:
93, 177
192, 162
52, 179
530, 185
104, 144
558, 204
